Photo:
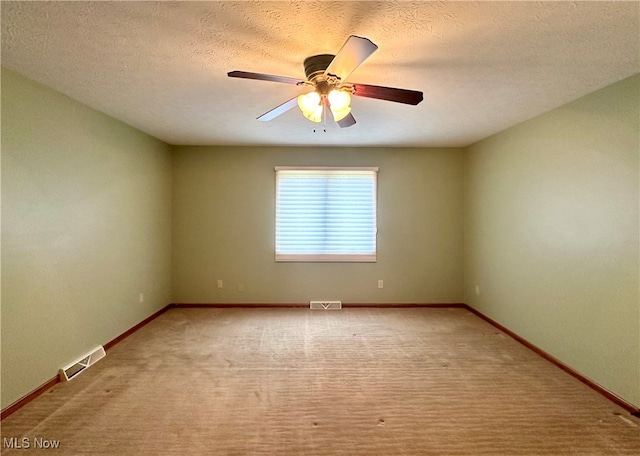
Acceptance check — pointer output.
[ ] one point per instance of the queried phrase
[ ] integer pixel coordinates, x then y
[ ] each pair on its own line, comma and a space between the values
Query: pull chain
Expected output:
324, 115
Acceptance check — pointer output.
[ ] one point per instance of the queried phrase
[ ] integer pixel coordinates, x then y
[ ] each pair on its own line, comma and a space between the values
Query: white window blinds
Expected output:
326, 214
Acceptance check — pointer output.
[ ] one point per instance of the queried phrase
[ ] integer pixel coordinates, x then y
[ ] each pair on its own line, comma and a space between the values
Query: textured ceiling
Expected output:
161, 66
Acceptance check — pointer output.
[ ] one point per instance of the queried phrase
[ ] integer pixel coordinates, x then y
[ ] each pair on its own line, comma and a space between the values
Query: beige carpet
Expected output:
299, 382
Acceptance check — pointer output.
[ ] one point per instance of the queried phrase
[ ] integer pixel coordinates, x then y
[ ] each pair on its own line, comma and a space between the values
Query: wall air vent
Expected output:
71, 370
325, 305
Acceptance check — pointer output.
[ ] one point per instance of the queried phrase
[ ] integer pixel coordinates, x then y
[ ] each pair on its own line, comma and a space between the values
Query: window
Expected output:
326, 214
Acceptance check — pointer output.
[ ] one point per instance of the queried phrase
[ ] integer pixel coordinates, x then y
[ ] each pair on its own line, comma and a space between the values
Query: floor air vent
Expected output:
325, 305
71, 370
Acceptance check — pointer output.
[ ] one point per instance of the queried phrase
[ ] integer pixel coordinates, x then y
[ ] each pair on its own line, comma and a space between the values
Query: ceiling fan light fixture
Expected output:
316, 115
339, 100
338, 115
309, 104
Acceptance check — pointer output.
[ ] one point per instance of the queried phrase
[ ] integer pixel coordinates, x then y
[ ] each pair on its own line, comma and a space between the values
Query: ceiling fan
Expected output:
327, 77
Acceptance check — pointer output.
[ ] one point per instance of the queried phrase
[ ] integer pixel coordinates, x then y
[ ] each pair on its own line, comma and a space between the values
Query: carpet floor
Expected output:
357, 381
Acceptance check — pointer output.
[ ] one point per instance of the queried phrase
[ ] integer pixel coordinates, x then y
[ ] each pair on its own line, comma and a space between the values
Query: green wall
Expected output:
223, 228
551, 233
86, 228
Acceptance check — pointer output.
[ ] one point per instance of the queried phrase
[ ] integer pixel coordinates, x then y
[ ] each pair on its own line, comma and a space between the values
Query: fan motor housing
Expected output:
315, 65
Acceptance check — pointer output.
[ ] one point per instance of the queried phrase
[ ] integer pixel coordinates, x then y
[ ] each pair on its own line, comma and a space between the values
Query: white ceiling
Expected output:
161, 66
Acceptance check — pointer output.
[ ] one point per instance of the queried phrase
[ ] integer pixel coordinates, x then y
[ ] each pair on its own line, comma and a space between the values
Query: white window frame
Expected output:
369, 257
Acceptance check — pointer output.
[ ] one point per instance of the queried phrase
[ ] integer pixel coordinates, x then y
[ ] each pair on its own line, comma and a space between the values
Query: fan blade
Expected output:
264, 77
347, 121
353, 52
411, 97
279, 110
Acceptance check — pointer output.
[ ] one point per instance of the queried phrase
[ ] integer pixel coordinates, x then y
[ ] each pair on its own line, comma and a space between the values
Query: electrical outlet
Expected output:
478, 290
141, 297
219, 283
380, 284
241, 287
